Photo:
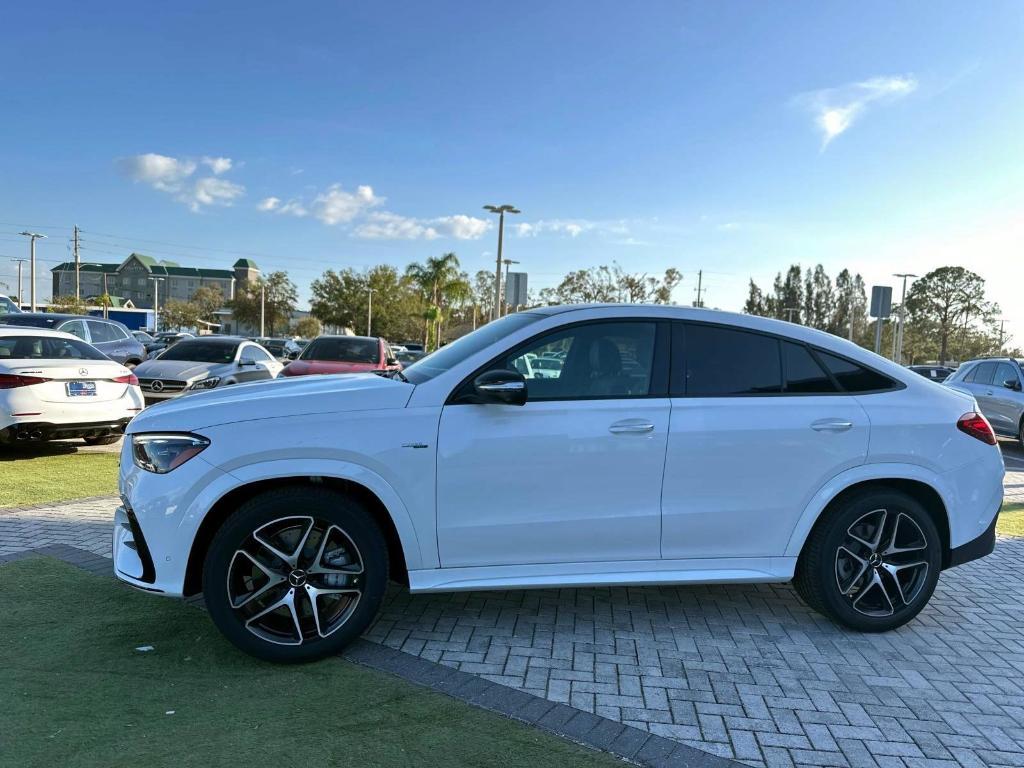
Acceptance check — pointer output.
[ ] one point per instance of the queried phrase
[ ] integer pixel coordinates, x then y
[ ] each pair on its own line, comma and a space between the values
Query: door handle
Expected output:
631, 426
831, 425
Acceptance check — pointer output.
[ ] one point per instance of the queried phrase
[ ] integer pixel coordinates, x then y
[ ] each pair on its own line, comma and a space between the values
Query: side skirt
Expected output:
605, 574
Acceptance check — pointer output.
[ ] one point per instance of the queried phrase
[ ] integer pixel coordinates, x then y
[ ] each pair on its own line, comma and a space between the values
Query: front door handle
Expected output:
831, 425
631, 426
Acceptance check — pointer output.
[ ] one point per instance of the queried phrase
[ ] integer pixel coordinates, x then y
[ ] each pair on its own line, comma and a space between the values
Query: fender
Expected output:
419, 552
859, 474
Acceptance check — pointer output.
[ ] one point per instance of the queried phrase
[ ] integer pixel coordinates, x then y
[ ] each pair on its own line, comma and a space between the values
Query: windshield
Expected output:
46, 348
342, 349
29, 321
6, 305
466, 346
198, 351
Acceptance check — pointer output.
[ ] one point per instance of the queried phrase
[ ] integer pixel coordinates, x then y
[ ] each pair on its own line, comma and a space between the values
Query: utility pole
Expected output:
369, 311
897, 337
501, 210
263, 308
21, 293
32, 236
106, 298
507, 263
1002, 325
156, 301
700, 288
78, 286
789, 313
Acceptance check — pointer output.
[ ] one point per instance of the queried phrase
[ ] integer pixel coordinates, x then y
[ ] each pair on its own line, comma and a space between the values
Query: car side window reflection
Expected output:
598, 360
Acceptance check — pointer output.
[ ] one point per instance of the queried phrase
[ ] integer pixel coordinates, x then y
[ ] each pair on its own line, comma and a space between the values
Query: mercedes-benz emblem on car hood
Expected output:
83, 371
157, 386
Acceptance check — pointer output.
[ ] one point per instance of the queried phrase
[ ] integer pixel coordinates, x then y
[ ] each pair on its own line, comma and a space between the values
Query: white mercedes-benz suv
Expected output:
674, 446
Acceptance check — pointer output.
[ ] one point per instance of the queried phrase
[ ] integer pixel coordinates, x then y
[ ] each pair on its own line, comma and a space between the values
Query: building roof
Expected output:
246, 264
154, 267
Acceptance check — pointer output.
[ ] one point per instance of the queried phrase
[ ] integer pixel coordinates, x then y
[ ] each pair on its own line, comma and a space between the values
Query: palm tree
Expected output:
441, 282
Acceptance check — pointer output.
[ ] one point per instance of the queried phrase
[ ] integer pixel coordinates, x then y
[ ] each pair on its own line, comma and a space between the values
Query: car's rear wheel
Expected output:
872, 561
105, 440
295, 574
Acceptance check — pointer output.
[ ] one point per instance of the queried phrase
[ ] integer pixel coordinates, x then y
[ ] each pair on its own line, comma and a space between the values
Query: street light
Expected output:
369, 311
897, 340
501, 210
32, 236
156, 301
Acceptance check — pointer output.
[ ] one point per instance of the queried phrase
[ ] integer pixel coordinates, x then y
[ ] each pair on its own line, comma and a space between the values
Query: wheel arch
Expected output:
915, 483
232, 499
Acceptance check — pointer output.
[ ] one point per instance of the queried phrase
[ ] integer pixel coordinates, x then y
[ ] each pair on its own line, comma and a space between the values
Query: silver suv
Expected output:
996, 383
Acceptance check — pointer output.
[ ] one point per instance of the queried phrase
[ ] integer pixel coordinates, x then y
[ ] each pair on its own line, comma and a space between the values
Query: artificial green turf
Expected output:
74, 691
59, 474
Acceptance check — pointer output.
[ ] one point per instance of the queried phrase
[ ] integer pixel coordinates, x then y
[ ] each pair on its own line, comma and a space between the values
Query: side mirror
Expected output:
1013, 384
501, 386
391, 361
293, 355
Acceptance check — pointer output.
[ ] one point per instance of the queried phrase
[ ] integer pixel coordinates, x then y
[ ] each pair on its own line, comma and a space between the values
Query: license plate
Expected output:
81, 388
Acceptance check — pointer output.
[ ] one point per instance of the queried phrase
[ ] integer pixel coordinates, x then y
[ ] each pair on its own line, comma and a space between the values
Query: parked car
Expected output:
408, 357
54, 386
344, 354
546, 367
938, 373
282, 349
8, 307
204, 363
739, 449
996, 383
165, 339
413, 346
144, 338
108, 336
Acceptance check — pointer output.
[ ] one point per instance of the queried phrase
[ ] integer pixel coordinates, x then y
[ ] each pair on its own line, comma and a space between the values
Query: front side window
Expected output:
596, 360
101, 332
729, 362
255, 354
46, 348
77, 328
1004, 373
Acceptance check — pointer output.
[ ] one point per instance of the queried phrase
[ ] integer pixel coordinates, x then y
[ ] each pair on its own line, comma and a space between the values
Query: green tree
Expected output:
308, 328
340, 298
612, 284
755, 304
442, 285
178, 314
208, 298
68, 304
947, 300
278, 302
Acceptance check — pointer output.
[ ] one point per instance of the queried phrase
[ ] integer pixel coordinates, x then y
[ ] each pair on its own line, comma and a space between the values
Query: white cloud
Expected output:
293, 208
382, 225
269, 204
836, 109
462, 227
175, 176
571, 227
218, 165
337, 206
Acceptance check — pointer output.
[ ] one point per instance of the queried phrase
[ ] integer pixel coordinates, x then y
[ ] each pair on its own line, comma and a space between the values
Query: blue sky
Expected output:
731, 137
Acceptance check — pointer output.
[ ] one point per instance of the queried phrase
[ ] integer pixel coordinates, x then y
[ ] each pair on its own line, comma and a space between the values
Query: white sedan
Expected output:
55, 386
675, 446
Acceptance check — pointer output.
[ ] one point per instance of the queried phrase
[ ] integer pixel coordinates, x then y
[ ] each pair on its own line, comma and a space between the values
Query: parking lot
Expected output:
745, 672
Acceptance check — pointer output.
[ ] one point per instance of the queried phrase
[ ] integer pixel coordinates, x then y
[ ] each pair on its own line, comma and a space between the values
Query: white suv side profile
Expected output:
673, 446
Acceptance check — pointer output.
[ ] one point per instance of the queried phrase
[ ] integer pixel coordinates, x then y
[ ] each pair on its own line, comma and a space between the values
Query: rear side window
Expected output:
855, 378
803, 373
984, 373
723, 361
102, 332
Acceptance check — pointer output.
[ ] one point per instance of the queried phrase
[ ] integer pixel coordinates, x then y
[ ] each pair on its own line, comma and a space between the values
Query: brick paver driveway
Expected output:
745, 672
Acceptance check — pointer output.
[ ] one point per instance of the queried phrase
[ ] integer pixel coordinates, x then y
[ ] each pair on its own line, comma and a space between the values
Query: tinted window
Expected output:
601, 360
46, 348
984, 373
803, 374
255, 353
724, 361
102, 332
853, 377
343, 349
77, 327
199, 351
1004, 373
29, 321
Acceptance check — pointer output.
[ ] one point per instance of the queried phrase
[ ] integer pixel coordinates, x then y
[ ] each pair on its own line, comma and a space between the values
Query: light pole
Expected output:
507, 263
789, 312
32, 236
501, 210
263, 308
369, 311
21, 293
897, 338
156, 301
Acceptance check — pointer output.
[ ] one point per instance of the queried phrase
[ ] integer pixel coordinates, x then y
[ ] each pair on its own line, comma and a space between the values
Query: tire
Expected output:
131, 364
847, 571
342, 570
105, 440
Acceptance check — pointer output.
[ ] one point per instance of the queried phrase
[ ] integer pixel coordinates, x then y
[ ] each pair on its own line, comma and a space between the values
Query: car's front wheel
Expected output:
872, 561
295, 574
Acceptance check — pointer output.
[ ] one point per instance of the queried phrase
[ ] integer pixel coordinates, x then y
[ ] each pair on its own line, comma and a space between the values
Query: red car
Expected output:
343, 354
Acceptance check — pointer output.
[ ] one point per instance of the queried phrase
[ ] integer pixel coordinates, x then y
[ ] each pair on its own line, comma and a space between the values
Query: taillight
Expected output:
977, 426
131, 380
12, 381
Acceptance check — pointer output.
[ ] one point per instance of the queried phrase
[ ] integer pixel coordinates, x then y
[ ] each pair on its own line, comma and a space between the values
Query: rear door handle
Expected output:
631, 426
831, 425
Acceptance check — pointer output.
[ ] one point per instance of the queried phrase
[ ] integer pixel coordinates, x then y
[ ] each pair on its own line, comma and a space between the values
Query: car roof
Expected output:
346, 336
224, 340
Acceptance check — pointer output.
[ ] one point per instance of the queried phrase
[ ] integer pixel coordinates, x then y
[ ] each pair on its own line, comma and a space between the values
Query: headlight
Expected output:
209, 383
160, 453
